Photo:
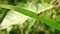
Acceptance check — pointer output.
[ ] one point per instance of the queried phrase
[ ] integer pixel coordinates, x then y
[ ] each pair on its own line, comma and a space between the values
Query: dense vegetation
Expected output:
29, 16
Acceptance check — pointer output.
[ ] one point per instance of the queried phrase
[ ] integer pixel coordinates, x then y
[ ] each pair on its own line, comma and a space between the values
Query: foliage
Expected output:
30, 16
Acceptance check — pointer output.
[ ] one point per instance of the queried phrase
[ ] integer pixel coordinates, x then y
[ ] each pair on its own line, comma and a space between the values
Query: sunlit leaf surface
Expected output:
12, 18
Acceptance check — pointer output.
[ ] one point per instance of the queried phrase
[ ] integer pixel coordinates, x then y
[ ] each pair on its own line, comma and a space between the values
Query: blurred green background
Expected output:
12, 22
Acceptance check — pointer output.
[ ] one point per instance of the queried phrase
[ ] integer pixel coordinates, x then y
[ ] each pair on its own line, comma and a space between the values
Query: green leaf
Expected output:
33, 6
46, 20
13, 17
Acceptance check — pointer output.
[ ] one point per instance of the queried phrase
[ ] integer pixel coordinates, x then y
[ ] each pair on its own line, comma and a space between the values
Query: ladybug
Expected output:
38, 14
